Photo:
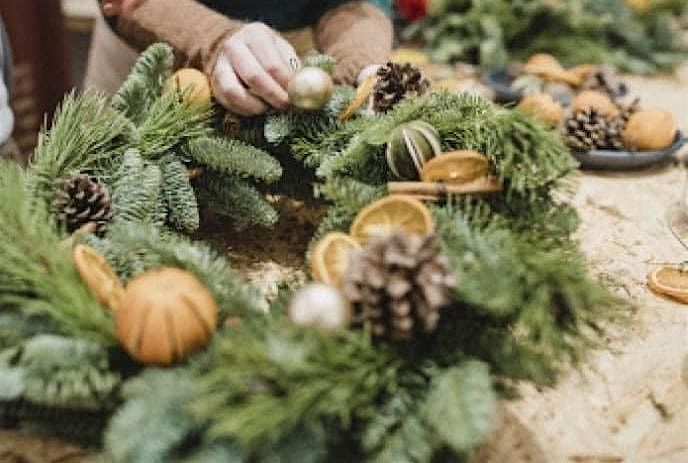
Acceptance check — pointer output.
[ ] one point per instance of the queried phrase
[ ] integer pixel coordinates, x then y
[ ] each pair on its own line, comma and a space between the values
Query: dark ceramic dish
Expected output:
626, 160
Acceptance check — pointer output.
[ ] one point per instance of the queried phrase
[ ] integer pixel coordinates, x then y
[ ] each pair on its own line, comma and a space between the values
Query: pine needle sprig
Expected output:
85, 136
145, 83
178, 195
36, 273
233, 157
136, 190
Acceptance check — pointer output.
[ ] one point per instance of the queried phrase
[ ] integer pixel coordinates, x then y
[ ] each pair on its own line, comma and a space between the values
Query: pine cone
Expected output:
79, 201
396, 82
398, 284
586, 130
606, 80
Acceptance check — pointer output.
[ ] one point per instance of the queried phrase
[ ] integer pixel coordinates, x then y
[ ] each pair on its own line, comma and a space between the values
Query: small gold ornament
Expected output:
98, 275
192, 81
164, 316
310, 88
543, 107
650, 129
410, 147
320, 306
598, 101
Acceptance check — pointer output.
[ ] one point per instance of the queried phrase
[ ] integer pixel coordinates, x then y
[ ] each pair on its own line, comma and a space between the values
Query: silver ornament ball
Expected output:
310, 88
320, 306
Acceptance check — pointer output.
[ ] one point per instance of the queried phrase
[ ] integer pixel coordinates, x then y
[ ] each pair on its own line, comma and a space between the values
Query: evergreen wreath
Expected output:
265, 389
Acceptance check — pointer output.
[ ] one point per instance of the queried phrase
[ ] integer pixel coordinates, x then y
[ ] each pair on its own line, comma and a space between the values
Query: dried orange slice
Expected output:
455, 168
330, 258
363, 93
389, 214
98, 275
670, 281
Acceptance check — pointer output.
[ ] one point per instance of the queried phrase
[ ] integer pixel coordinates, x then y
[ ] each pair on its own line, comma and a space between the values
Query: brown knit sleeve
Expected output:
357, 34
193, 30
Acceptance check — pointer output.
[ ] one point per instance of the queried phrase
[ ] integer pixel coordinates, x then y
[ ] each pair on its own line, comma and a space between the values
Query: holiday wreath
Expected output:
120, 332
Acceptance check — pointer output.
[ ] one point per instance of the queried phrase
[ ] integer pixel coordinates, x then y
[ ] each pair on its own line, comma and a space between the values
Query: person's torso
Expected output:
281, 14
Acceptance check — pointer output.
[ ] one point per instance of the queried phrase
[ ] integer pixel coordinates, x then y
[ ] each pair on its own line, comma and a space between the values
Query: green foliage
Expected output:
178, 195
152, 423
59, 372
233, 157
268, 384
136, 190
324, 62
235, 199
134, 248
525, 309
85, 136
576, 31
145, 83
36, 273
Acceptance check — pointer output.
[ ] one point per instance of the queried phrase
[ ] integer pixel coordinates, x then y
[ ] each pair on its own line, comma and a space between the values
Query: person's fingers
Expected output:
231, 93
267, 54
129, 6
288, 54
251, 73
112, 8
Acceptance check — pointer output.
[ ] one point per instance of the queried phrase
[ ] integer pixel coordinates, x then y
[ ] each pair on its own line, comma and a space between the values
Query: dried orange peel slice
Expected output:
98, 275
390, 214
456, 168
330, 258
671, 281
363, 93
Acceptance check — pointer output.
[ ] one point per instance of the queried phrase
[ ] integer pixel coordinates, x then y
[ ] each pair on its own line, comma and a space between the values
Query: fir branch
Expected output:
66, 373
267, 384
85, 136
154, 406
325, 62
135, 248
178, 195
233, 157
236, 199
524, 309
136, 190
36, 274
145, 82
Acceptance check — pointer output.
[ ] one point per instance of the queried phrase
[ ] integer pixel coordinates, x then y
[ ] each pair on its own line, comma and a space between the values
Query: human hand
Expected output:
124, 8
253, 70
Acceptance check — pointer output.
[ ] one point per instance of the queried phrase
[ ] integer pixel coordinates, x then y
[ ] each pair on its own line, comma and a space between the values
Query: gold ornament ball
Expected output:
164, 316
320, 306
650, 129
192, 81
310, 88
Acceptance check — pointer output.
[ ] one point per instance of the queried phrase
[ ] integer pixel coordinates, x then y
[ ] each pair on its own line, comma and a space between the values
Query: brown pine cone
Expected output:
398, 284
396, 82
606, 80
80, 200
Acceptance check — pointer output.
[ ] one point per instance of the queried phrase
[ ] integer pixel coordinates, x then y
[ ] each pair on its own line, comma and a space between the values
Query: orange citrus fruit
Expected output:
389, 214
192, 81
455, 167
670, 281
330, 258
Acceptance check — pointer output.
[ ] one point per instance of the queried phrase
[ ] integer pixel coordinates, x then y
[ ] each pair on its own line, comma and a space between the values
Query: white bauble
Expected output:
320, 306
310, 88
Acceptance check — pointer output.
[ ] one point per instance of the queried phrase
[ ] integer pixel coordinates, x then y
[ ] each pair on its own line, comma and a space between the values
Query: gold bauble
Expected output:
650, 129
320, 306
543, 107
165, 315
310, 88
598, 101
193, 82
